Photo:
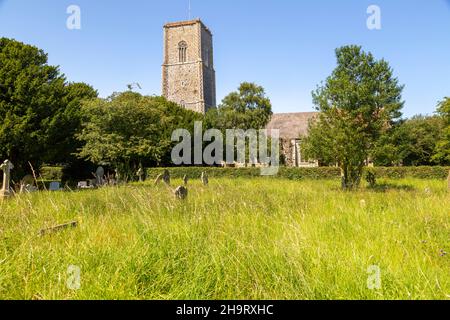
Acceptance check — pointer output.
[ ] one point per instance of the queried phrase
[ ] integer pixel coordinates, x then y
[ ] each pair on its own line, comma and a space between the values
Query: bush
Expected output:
51, 173
302, 173
371, 177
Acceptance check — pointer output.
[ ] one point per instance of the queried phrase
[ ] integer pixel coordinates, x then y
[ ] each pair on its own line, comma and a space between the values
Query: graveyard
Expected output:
258, 151
227, 238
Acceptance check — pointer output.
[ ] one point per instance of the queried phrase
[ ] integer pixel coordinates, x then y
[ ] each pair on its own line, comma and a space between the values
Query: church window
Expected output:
182, 51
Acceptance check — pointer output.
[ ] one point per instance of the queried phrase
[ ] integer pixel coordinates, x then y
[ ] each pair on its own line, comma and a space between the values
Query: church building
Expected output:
188, 75
189, 79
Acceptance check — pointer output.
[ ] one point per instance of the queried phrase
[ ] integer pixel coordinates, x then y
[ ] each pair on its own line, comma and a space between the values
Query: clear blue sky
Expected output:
287, 46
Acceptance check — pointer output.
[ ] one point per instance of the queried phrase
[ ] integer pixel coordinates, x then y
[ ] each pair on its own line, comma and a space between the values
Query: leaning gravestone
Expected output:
6, 167
166, 177
27, 184
205, 179
99, 176
141, 174
158, 179
181, 192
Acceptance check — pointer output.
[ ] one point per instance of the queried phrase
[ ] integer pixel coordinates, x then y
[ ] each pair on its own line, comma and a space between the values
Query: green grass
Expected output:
235, 239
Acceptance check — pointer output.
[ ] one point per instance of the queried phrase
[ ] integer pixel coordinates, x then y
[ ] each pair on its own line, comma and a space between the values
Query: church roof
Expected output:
291, 125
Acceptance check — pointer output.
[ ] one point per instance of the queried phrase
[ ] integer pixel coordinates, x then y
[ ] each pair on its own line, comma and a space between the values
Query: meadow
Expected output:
234, 239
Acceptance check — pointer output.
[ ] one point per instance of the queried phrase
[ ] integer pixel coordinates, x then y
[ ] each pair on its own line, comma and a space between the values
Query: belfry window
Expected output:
182, 51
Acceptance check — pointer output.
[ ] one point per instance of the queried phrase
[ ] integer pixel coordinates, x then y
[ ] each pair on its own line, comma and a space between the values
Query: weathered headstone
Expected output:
6, 167
185, 180
158, 179
166, 177
82, 184
205, 179
99, 176
27, 184
55, 186
141, 174
181, 192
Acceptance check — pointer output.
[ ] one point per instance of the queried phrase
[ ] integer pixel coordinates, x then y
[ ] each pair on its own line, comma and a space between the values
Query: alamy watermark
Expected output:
374, 278
73, 22
242, 147
374, 19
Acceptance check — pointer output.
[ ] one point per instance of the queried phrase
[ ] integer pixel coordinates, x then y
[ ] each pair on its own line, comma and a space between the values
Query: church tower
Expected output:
188, 76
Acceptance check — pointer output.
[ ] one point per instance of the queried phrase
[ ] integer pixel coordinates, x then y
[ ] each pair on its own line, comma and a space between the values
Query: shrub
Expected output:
302, 173
371, 177
51, 173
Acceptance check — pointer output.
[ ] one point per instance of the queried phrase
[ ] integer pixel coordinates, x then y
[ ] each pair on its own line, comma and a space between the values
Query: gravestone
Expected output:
181, 192
141, 174
158, 179
6, 167
82, 185
99, 176
205, 179
27, 184
185, 180
55, 186
166, 177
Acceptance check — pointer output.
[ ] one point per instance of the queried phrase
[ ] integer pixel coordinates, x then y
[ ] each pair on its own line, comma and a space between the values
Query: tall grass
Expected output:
235, 239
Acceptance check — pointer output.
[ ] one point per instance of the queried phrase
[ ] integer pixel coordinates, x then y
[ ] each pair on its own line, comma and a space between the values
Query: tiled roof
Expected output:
291, 125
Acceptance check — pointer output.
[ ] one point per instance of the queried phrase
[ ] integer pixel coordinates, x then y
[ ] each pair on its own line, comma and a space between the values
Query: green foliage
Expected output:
38, 109
410, 143
289, 173
50, 173
443, 145
371, 177
127, 129
357, 103
248, 108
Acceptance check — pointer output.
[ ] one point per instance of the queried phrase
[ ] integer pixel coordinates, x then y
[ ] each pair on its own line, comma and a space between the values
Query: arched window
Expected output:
182, 51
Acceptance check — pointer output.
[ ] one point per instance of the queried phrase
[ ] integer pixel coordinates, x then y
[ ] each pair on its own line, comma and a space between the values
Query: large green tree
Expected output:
411, 143
357, 103
36, 107
247, 108
128, 129
443, 146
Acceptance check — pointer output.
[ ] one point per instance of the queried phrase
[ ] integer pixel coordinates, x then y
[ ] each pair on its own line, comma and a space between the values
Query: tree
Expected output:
442, 150
128, 129
411, 143
247, 108
40, 111
66, 124
357, 103
33, 95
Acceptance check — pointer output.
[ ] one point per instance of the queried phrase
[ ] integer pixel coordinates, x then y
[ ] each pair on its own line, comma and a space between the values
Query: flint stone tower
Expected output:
188, 76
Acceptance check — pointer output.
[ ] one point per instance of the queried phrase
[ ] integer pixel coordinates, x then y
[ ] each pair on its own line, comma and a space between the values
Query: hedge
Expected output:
50, 173
302, 173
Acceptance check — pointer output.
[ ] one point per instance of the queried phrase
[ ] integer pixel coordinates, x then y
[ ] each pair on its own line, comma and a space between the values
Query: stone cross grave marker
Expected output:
6, 167
141, 174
